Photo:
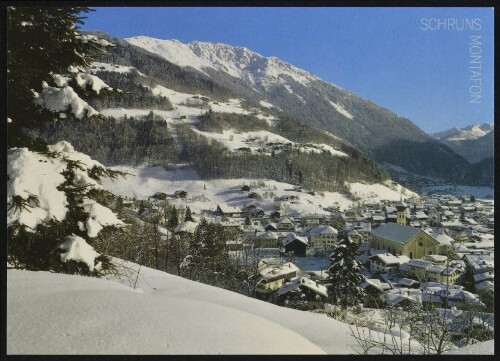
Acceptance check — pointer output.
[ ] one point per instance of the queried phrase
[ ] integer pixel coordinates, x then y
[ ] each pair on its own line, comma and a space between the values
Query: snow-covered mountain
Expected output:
238, 62
308, 99
474, 131
474, 142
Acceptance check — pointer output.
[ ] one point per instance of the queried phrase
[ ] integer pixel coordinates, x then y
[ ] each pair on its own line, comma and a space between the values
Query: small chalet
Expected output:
403, 300
415, 268
295, 244
285, 224
272, 274
442, 274
373, 291
313, 219
386, 263
303, 289
160, 196
245, 188
266, 240
322, 237
226, 211
180, 194
270, 227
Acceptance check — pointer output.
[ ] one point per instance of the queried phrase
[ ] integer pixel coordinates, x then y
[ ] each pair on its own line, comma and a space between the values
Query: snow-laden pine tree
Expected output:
173, 220
188, 217
345, 273
55, 201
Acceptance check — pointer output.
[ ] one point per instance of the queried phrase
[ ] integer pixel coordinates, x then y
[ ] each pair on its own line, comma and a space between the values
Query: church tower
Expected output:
401, 212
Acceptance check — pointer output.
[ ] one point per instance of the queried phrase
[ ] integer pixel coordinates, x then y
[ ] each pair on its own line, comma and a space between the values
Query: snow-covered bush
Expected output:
50, 195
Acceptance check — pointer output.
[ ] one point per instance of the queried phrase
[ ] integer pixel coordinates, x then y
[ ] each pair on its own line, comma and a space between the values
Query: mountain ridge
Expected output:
474, 142
360, 123
473, 131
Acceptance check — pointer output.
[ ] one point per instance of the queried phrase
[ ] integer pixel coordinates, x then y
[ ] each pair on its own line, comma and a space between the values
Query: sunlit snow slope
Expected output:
62, 314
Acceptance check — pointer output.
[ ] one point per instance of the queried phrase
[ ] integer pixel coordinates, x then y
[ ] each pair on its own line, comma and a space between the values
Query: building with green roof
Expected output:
405, 240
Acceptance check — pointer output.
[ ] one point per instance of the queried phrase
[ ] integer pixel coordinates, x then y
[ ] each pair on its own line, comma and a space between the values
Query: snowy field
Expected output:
189, 105
62, 314
207, 194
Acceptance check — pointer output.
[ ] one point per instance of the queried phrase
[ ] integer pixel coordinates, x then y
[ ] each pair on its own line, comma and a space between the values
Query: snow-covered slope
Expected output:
207, 194
97, 66
238, 62
62, 314
474, 131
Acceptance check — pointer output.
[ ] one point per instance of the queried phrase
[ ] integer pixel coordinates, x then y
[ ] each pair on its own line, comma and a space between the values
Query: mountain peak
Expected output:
238, 62
473, 131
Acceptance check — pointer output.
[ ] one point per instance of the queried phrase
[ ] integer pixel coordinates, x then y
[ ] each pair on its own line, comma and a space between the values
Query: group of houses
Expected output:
437, 239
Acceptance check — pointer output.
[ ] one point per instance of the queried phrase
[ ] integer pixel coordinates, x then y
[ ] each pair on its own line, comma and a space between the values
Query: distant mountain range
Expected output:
474, 142
285, 92
470, 132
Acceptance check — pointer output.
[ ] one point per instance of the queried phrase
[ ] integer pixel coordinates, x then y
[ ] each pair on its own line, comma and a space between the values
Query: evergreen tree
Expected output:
173, 221
188, 216
54, 215
42, 41
345, 273
209, 259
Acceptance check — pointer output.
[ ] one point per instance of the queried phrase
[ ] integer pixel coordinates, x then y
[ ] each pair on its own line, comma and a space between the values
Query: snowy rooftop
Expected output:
323, 230
395, 232
481, 286
292, 237
436, 258
419, 263
440, 235
298, 281
276, 271
480, 277
390, 259
266, 235
407, 282
187, 226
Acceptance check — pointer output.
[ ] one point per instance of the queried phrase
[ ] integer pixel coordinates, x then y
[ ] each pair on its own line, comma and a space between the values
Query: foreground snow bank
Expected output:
62, 314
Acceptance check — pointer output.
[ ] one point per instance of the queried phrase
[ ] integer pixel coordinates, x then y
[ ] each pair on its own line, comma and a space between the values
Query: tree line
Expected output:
129, 141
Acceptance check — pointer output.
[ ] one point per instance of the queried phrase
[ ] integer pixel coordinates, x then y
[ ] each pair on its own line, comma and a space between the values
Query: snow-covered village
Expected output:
170, 198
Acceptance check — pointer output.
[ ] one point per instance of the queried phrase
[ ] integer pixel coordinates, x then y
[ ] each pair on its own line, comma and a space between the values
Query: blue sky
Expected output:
381, 54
